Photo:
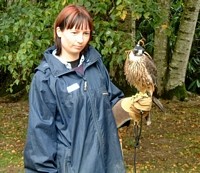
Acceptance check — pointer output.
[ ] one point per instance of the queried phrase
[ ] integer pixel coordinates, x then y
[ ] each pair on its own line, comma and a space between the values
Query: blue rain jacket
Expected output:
71, 124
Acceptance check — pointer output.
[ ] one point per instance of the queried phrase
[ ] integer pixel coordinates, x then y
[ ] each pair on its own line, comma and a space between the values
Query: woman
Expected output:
71, 124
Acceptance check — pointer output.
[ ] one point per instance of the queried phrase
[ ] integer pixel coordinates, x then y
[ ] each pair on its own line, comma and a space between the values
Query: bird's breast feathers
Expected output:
136, 72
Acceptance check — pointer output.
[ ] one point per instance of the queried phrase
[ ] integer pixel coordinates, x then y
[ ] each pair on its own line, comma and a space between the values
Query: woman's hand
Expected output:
137, 105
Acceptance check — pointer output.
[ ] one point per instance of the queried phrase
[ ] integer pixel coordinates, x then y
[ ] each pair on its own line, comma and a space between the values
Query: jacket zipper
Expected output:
85, 85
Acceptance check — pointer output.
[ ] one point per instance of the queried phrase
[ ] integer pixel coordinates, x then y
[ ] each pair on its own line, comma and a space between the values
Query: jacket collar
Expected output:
58, 68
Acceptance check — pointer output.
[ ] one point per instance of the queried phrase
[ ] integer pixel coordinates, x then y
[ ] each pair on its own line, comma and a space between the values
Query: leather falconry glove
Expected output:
137, 105
130, 108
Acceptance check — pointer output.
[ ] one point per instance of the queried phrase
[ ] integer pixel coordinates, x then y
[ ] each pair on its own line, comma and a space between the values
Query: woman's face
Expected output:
73, 40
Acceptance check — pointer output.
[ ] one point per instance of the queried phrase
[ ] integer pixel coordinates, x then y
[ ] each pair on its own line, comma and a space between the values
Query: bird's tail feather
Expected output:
158, 104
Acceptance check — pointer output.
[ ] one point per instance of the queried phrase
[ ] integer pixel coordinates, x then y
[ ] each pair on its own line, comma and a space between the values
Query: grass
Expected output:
13, 118
171, 144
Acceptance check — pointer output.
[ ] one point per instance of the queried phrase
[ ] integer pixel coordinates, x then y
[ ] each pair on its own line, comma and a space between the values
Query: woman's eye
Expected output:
86, 33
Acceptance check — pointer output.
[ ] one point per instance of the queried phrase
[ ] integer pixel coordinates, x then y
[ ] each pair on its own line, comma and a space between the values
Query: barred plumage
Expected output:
141, 72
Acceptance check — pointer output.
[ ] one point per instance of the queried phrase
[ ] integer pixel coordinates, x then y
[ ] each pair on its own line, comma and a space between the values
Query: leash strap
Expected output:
137, 133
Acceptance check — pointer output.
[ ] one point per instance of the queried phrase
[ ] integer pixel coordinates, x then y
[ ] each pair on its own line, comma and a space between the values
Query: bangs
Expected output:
72, 16
78, 21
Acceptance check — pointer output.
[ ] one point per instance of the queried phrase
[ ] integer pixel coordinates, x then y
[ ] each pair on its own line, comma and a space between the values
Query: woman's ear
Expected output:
58, 32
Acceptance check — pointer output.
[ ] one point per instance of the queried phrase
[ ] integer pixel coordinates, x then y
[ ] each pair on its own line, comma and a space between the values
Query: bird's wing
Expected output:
151, 67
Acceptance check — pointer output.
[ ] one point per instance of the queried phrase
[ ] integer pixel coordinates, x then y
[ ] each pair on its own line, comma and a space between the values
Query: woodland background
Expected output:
172, 32
170, 27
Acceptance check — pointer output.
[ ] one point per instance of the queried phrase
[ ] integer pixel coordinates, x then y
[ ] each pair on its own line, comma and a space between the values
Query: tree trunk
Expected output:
9, 2
133, 24
178, 64
160, 46
133, 31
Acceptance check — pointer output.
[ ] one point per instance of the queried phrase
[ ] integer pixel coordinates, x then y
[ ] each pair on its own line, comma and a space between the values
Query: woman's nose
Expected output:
79, 38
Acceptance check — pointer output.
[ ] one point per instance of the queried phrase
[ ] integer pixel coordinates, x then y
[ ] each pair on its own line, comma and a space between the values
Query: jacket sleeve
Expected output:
40, 148
116, 95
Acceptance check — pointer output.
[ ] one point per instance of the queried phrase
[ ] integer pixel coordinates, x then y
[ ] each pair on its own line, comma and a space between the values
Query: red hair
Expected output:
72, 16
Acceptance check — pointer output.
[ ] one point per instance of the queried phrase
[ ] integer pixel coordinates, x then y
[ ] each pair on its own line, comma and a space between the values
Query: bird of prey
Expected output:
141, 72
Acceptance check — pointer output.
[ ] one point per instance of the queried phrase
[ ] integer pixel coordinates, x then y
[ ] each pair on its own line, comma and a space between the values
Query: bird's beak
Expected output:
135, 51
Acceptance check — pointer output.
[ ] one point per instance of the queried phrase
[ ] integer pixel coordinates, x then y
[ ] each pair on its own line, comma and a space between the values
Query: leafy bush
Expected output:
26, 29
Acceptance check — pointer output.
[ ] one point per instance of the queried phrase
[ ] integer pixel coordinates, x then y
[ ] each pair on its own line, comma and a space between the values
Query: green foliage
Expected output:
2, 4
176, 12
193, 69
26, 30
193, 75
148, 16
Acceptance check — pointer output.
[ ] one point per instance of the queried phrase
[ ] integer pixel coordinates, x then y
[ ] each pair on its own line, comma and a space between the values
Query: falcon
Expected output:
141, 72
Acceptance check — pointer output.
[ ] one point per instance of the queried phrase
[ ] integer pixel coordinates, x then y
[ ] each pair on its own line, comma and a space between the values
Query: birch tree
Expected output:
178, 65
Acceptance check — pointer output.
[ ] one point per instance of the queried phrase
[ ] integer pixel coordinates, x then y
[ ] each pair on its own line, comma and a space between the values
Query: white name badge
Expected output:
73, 87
